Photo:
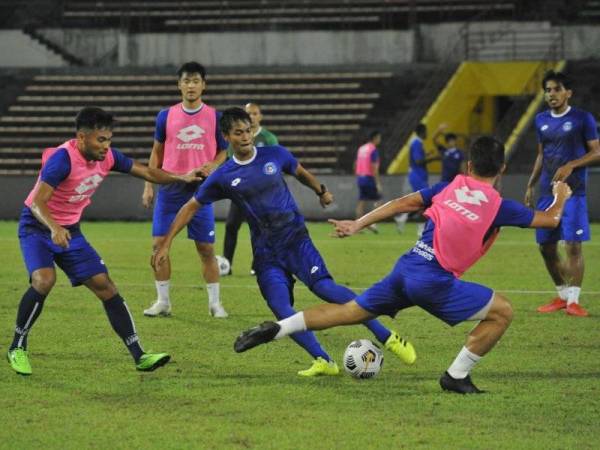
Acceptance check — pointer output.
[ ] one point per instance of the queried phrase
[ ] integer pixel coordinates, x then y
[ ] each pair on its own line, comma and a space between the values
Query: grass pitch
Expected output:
542, 378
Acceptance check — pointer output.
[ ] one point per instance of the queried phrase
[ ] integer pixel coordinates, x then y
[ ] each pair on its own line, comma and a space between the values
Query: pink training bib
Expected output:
363, 159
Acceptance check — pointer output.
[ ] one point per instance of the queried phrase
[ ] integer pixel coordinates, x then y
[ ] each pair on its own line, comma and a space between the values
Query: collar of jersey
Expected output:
258, 131
248, 161
561, 114
192, 111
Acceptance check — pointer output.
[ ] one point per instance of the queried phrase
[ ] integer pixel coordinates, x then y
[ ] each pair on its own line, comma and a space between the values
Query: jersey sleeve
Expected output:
221, 142
57, 168
538, 132
375, 156
160, 133
122, 163
514, 214
210, 190
272, 139
288, 162
430, 192
590, 128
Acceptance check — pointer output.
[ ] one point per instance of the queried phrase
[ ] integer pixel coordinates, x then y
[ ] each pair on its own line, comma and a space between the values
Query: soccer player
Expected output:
49, 232
452, 156
464, 219
187, 135
567, 144
281, 245
366, 169
235, 218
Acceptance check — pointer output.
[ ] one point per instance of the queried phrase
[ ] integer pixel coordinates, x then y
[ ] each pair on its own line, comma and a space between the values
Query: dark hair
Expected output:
487, 156
421, 129
374, 134
558, 77
192, 67
232, 115
94, 118
450, 137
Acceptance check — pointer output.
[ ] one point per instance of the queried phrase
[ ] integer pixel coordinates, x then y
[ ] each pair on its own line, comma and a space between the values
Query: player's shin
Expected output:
122, 322
29, 310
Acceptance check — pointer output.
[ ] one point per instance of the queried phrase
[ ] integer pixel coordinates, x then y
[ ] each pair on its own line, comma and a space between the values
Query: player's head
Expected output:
375, 137
191, 80
236, 127
93, 128
450, 139
557, 89
256, 117
421, 131
486, 157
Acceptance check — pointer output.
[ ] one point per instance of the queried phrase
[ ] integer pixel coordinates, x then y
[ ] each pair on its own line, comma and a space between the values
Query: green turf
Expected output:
543, 377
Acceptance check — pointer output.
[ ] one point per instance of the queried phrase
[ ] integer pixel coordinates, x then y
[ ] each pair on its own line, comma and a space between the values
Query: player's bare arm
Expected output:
591, 157
408, 203
309, 180
208, 168
183, 217
159, 176
39, 208
155, 161
534, 177
550, 218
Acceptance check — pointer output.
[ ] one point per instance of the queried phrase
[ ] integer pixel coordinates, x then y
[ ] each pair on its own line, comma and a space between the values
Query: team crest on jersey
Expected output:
190, 133
567, 126
270, 168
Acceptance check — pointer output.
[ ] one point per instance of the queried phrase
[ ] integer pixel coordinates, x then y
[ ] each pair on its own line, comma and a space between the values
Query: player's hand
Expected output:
158, 258
326, 199
193, 176
61, 236
344, 228
148, 196
442, 127
529, 194
206, 169
561, 189
563, 172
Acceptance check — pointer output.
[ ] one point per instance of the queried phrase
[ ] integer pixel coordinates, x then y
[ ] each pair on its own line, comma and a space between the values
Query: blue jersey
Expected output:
258, 188
563, 139
417, 153
452, 159
421, 261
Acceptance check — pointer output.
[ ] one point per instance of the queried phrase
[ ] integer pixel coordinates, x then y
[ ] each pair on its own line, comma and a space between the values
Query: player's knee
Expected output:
206, 252
503, 311
573, 249
157, 242
43, 282
549, 251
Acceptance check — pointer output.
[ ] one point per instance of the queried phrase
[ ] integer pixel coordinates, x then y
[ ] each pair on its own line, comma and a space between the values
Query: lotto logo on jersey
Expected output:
466, 195
88, 184
270, 168
187, 135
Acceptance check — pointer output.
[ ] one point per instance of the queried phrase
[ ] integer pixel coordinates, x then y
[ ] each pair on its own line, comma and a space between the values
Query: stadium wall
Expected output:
20, 50
119, 198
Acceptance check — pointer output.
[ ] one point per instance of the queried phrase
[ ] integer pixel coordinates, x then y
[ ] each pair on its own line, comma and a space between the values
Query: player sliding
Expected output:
253, 180
49, 232
463, 220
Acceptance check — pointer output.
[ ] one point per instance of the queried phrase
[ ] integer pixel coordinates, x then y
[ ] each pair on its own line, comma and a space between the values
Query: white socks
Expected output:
213, 293
463, 364
573, 295
563, 292
162, 290
292, 324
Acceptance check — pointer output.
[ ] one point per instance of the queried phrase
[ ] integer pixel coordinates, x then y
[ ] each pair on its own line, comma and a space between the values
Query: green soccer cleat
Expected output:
401, 348
320, 367
152, 361
19, 361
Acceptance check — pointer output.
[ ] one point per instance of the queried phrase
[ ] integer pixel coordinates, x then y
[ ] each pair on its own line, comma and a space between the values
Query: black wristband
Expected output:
323, 191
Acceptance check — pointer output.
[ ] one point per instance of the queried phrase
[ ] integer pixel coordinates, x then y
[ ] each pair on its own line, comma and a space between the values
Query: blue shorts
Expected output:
367, 188
299, 258
574, 226
168, 203
447, 298
79, 261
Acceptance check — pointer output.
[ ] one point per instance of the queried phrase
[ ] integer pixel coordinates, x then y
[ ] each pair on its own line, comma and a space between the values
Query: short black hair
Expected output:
487, 156
373, 134
450, 137
192, 67
232, 115
558, 77
94, 118
421, 128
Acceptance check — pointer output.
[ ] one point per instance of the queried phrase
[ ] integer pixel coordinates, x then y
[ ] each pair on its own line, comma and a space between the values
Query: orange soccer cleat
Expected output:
555, 305
575, 309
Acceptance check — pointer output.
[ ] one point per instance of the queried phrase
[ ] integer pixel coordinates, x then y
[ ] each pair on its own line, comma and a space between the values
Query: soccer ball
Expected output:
224, 265
363, 359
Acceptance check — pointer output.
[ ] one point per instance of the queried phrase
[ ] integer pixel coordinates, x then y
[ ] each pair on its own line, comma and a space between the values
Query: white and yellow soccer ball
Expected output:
363, 359
224, 265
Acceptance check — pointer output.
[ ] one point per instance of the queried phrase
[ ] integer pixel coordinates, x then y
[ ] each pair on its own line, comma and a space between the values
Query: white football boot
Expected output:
158, 309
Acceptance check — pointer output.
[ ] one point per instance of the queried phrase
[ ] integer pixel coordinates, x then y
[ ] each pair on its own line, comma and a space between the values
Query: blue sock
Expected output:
279, 300
331, 292
122, 322
29, 310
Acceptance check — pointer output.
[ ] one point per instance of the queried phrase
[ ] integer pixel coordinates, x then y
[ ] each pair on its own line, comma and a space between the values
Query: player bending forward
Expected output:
464, 218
